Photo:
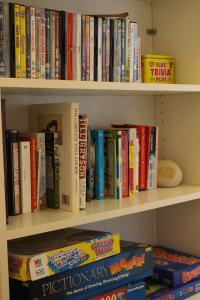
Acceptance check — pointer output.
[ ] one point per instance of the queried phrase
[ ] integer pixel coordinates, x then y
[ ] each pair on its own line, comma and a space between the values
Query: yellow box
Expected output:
47, 254
157, 69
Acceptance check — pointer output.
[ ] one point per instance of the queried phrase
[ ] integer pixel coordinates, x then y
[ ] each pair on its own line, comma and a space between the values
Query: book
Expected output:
33, 43
22, 16
25, 176
111, 166
123, 49
100, 49
104, 49
3, 40
90, 174
96, 48
53, 45
52, 169
83, 123
17, 41
66, 250
125, 163
83, 48
107, 50
62, 118
87, 48
77, 46
42, 44
91, 38
57, 46
33, 156
134, 263
70, 46
38, 43
28, 42
62, 43
111, 69
48, 45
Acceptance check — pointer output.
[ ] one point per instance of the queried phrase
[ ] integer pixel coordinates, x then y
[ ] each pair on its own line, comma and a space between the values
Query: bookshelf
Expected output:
175, 108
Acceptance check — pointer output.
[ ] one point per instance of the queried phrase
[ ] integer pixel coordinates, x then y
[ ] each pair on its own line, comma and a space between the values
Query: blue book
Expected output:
97, 137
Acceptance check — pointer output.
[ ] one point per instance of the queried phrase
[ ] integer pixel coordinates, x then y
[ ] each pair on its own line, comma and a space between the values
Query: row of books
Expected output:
78, 264
49, 44
63, 163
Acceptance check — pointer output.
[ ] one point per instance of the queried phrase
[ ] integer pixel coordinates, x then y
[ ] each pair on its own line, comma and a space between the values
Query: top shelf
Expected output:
38, 86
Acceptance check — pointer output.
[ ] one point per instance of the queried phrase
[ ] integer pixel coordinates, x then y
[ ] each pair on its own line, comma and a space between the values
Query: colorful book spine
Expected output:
38, 43
77, 47
156, 159
42, 45
33, 148
119, 166
28, 42
107, 62
148, 148
53, 46
123, 49
3, 48
17, 41
25, 176
13, 175
141, 131
88, 169
97, 137
83, 48
87, 48
48, 44
131, 52
91, 169
151, 166
83, 123
91, 48
22, 12
52, 169
111, 164
100, 24
119, 52
70, 46
125, 163
33, 43
57, 45
132, 165
137, 164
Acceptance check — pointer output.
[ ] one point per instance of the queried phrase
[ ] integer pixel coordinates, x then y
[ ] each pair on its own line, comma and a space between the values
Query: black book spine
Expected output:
12, 40
48, 44
111, 67
63, 43
28, 42
13, 178
95, 48
2, 40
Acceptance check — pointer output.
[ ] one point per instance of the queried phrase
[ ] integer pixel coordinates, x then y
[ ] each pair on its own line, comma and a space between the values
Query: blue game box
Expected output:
134, 263
174, 268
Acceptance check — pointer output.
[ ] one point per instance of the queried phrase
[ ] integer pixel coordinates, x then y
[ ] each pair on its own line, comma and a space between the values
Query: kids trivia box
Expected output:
175, 268
134, 263
46, 254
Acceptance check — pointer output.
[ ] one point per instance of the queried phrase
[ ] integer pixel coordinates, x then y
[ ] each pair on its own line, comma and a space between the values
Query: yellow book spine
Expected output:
17, 41
23, 41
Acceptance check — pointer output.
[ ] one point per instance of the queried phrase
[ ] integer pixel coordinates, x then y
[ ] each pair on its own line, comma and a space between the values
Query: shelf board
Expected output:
38, 86
49, 220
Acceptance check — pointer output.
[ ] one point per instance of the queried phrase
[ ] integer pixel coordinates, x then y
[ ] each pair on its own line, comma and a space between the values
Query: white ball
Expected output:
169, 173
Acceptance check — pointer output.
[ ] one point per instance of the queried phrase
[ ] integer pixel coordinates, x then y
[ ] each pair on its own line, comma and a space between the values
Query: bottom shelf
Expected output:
49, 219
195, 297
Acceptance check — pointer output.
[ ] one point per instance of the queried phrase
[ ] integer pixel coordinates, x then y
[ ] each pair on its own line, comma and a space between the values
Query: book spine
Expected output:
123, 49
100, 24
77, 47
83, 123
33, 43
28, 42
57, 45
135, 52
137, 163
148, 149
139, 63
42, 44
111, 69
128, 54
104, 50
48, 44
119, 167
115, 49
156, 158
131, 52
17, 41
119, 51
92, 170
70, 46
142, 157
83, 48
125, 163
107, 49
62, 44
88, 169
38, 43
22, 12
52, 170
111, 167
2, 40
98, 139
151, 167
7, 39
41, 171
13, 177
33, 145
132, 136
91, 48
52, 39
95, 48
25, 176
87, 48
12, 40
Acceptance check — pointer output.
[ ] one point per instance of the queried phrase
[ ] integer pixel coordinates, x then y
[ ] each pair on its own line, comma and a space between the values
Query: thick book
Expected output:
52, 169
13, 175
66, 250
22, 15
64, 119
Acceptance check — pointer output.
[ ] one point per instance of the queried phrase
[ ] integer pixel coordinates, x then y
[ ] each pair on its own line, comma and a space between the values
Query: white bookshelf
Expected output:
166, 216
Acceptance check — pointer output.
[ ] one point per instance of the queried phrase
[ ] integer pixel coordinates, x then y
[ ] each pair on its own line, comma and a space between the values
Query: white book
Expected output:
25, 176
131, 53
139, 66
91, 48
77, 47
64, 119
100, 49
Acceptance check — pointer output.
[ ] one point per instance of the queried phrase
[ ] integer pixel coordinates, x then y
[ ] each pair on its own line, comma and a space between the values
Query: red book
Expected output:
125, 163
70, 46
33, 145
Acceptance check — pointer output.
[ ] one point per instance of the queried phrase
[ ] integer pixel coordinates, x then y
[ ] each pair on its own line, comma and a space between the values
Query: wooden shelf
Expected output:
49, 220
38, 86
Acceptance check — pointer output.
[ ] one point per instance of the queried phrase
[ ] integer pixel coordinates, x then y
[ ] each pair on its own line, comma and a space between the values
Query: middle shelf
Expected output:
99, 210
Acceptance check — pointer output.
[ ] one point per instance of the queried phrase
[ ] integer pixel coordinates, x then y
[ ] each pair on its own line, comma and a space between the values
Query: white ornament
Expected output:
169, 174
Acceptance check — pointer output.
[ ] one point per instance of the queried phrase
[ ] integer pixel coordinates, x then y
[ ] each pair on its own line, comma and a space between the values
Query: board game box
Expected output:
162, 292
43, 255
174, 268
134, 263
132, 291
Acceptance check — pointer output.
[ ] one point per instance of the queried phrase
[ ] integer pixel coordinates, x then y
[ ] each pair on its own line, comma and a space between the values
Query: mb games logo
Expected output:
38, 263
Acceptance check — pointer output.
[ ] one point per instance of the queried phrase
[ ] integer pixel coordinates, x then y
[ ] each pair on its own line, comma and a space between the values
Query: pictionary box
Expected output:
131, 291
46, 254
174, 268
161, 292
134, 263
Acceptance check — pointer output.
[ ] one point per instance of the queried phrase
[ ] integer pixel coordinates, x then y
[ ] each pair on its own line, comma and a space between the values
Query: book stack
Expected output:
81, 264
50, 44
176, 275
